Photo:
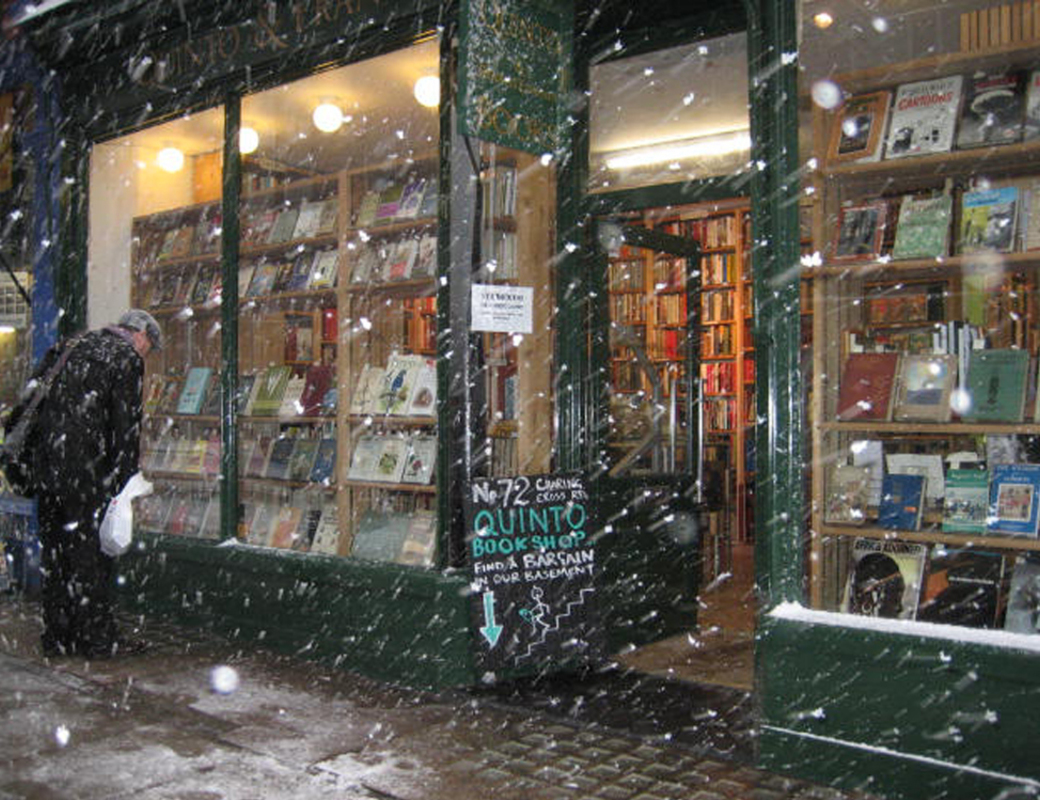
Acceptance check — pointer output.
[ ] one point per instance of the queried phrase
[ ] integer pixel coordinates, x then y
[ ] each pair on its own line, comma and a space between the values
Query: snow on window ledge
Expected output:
795, 612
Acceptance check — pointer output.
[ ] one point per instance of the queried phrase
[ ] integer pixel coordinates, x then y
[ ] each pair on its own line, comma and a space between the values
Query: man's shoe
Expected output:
128, 646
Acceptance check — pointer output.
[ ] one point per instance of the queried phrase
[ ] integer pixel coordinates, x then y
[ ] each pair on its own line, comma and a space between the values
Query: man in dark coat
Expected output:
86, 446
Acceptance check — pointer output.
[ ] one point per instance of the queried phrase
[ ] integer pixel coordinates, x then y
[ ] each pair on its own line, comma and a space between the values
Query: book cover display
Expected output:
884, 578
966, 501
998, 381
902, 502
923, 229
861, 230
963, 587
866, 386
988, 220
848, 495
924, 388
1014, 499
993, 111
924, 117
859, 131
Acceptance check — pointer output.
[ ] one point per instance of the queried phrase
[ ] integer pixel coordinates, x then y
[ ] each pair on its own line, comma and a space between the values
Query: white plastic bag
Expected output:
117, 528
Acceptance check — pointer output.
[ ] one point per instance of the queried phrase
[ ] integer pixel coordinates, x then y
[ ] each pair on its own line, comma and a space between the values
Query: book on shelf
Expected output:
329, 217
175, 522
284, 226
270, 386
258, 225
203, 287
398, 382
963, 587
364, 459
993, 110
308, 219
1023, 605
988, 220
1014, 499
278, 459
211, 518
207, 232
245, 279
264, 276
324, 468
429, 201
923, 117
865, 391
859, 130
848, 494
297, 273
365, 264
285, 528
902, 502
923, 388
421, 460
860, 231
420, 539
196, 386
1031, 122
259, 524
1029, 215
389, 202
965, 500
256, 465
923, 227
291, 404
317, 382
244, 392
422, 402
390, 462
366, 214
171, 393
426, 259
380, 535
998, 381
301, 462
885, 578
211, 460
411, 199
299, 338
326, 534
325, 269
185, 285
285, 273
869, 453
929, 465
178, 243
365, 396
402, 259
153, 393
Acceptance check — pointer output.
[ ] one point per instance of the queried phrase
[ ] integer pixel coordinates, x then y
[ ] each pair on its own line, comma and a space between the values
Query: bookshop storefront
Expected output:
380, 308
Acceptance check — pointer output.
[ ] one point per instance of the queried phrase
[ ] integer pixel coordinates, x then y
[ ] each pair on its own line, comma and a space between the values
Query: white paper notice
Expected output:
502, 308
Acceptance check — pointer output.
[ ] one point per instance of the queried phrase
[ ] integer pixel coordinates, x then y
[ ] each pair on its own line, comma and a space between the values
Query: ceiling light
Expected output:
665, 152
248, 140
170, 159
823, 20
428, 91
328, 117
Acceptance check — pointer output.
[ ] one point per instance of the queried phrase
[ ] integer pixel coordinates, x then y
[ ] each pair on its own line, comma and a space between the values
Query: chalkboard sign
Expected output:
534, 569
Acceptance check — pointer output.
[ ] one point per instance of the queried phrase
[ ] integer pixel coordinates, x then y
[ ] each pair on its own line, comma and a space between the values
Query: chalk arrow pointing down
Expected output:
490, 631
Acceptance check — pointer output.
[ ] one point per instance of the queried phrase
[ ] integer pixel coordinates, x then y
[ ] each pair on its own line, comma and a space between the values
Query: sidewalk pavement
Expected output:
199, 718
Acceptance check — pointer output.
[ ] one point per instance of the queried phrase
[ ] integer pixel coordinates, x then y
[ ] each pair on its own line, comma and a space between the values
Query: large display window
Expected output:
154, 243
919, 277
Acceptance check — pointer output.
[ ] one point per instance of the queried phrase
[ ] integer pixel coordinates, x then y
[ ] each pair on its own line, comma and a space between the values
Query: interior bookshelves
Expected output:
338, 355
867, 300
648, 306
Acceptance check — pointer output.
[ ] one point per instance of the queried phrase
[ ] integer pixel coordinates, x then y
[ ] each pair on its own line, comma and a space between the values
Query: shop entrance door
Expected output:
647, 475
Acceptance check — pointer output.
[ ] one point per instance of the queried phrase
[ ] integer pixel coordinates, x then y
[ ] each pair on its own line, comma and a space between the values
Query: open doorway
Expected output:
680, 371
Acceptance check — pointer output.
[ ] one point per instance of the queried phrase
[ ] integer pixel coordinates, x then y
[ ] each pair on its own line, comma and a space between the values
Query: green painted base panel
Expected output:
903, 716
397, 624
